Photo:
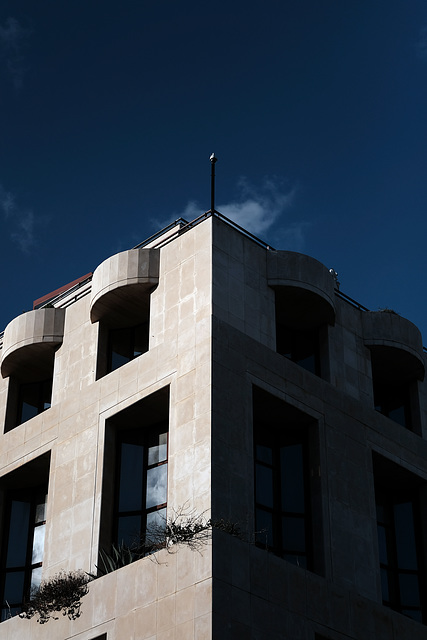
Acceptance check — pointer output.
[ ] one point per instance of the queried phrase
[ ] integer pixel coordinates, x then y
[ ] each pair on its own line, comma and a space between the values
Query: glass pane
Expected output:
264, 485
18, 534
382, 515
9, 612
131, 477
140, 339
41, 511
156, 523
120, 340
156, 486
264, 454
409, 590
292, 477
29, 401
299, 560
308, 363
46, 395
38, 544
264, 528
304, 349
36, 578
384, 585
405, 536
14, 587
398, 415
129, 530
382, 545
158, 448
283, 341
156, 520
415, 614
293, 534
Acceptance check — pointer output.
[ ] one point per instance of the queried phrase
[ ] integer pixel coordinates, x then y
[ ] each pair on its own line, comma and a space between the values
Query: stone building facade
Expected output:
208, 374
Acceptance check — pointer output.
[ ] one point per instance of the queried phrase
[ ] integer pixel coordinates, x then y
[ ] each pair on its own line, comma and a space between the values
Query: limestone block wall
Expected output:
342, 596
241, 296
153, 597
212, 339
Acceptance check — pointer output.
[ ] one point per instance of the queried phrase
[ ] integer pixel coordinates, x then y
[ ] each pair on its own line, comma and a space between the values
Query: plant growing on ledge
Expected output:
387, 310
60, 593
182, 528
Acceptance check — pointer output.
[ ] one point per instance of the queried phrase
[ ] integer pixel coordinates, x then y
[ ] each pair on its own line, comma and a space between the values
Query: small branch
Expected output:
60, 593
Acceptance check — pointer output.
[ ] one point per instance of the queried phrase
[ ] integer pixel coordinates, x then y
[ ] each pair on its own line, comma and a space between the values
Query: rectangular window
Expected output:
394, 401
300, 346
400, 540
125, 344
34, 398
284, 452
135, 493
395, 387
26, 400
142, 483
118, 345
24, 495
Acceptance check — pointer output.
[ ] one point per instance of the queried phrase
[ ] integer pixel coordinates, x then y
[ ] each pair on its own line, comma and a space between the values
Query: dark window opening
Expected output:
26, 400
400, 538
34, 398
135, 496
287, 494
300, 346
24, 496
395, 387
141, 497
394, 402
302, 320
121, 340
125, 344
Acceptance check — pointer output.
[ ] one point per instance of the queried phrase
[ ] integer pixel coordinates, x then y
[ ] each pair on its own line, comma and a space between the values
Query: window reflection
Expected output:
23, 546
399, 538
142, 490
282, 500
156, 486
38, 544
18, 533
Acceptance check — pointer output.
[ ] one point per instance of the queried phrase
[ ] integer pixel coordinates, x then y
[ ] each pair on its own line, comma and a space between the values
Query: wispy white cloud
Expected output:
24, 236
22, 222
12, 39
7, 203
258, 209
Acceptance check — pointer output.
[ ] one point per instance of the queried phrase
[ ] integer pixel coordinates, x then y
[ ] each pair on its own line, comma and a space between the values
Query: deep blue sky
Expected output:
316, 109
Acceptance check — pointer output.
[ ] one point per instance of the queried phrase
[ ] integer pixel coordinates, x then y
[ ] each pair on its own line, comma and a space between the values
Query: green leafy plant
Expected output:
118, 557
60, 593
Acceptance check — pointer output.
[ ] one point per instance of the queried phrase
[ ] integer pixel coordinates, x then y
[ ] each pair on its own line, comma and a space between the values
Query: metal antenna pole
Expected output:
213, 160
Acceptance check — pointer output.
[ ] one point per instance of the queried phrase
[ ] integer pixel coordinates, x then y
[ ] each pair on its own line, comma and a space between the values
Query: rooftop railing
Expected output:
79, 290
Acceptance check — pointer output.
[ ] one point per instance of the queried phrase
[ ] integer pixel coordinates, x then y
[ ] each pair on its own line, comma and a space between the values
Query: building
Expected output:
204, 371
